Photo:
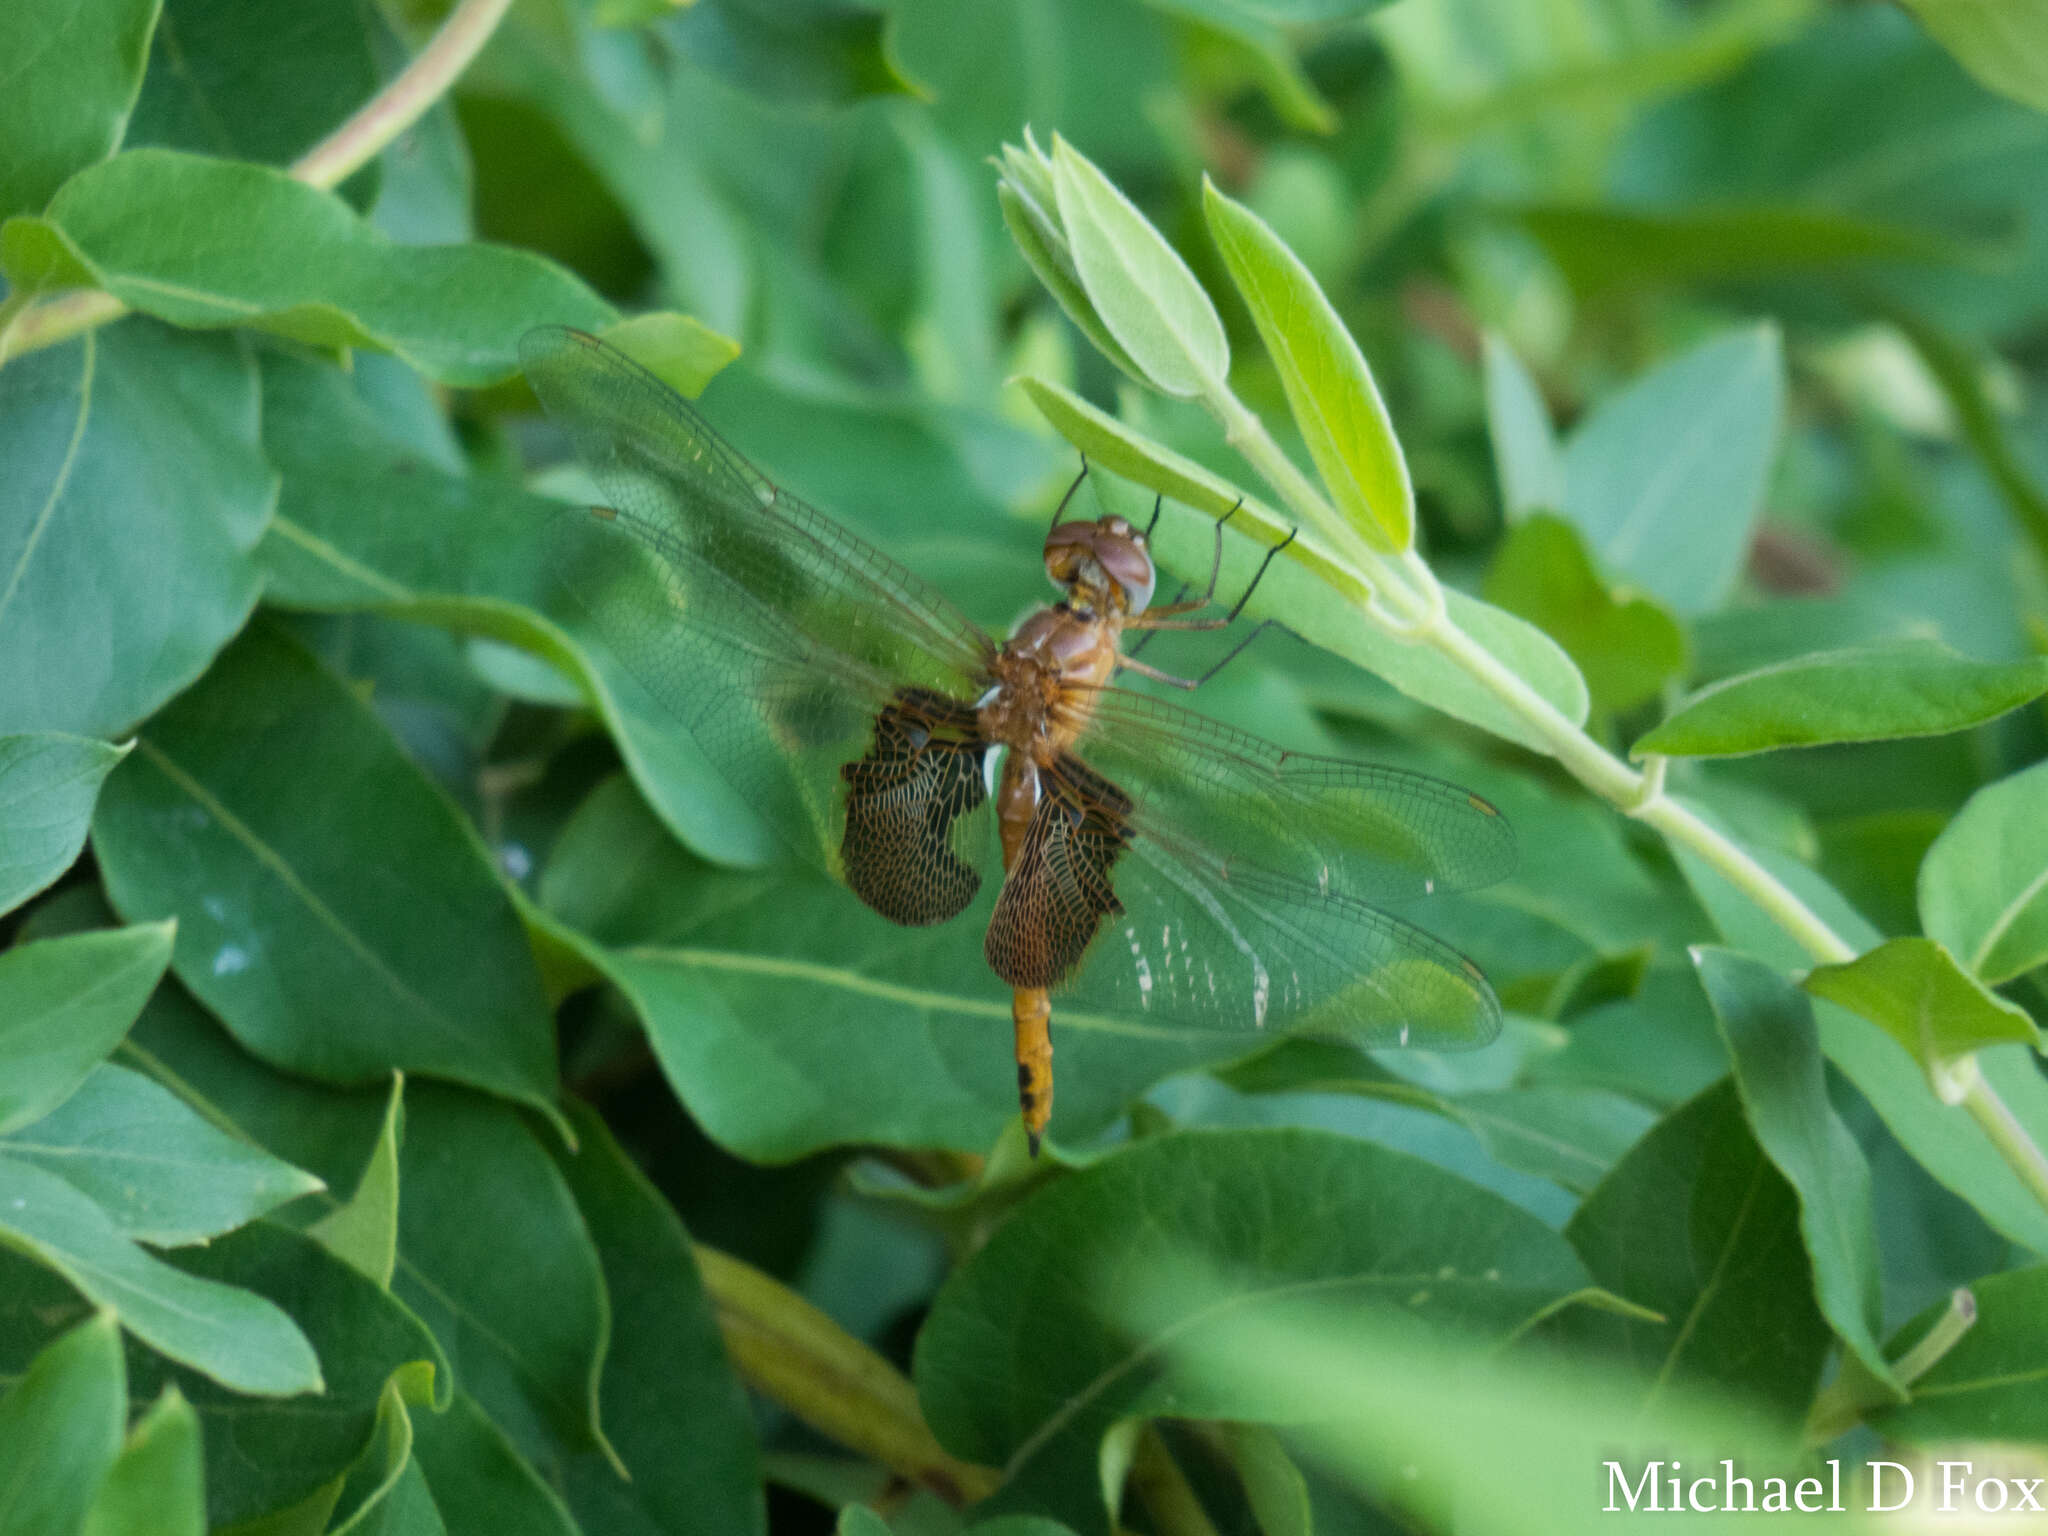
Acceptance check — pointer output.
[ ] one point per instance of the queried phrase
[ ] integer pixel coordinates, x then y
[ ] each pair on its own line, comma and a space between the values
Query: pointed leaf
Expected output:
48, 784
363, 1230
64, 1004
60, 1430
1330, 390
155, 1486
1984, 883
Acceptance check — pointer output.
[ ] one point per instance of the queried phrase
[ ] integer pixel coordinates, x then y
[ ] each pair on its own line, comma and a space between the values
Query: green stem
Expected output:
333, 160
1998, 1123
796, 1356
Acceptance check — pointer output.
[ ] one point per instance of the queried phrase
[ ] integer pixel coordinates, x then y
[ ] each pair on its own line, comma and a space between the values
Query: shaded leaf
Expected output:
1696, 1223
1666, 479
161, 1172
317, 958
64, 1004
60, 1430
1770, 1033
154, 1487
821, 52
386, 1493
1912, 688
1984, 883
92, 502
1137, 283
363, 1230
1626, 649
209, 243
237, 1338
1250, 1205
1330, 390
48, 783
1914, 991
68, 78
480, 1483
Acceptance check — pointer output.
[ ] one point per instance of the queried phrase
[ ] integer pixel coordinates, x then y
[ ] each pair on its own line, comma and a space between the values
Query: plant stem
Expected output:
380, 120
2002, 1126
797, 1357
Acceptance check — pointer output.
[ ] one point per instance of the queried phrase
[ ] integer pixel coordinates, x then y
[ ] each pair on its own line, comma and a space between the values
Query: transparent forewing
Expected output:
1361, 830
1239, 948
808, 665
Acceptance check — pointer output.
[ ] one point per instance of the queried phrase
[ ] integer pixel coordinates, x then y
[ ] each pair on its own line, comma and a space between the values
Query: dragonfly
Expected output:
1149, 864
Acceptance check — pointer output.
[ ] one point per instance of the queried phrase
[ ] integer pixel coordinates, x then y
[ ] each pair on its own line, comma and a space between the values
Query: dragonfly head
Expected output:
1103, 565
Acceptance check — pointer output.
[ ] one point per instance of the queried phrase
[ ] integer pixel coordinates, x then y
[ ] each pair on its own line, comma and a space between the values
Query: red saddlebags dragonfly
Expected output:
1152, 864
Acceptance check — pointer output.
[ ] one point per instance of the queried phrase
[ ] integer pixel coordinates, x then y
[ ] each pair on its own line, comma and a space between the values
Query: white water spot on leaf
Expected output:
232, 960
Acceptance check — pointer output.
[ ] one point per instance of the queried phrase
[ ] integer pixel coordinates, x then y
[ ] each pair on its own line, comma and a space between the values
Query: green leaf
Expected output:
2004, 43
1525, 452
48, 783
682, 352
1311, 593
317, 958
1626, 648
1250, 1204
263, 1456
238, 1339
1989, 1384
68, 78
1666, 479
208, 243
670, 1402
814, 52
1032, 217
262, 83
1330, 390
1273, 1485
1914, 991
162, 1173
1696, 1224
1770, 1033
1983, 894
164, 539
60, 1430
363, 1230
1876, 693
386, 1493
527, 1335
154, 1488
481, 1484
64, 1004
1145, 294
370, 522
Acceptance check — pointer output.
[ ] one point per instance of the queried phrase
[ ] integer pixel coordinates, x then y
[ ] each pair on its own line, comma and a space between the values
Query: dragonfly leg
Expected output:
1209, 593
1145, 639
1031, 1008
1171, 681
1061, 510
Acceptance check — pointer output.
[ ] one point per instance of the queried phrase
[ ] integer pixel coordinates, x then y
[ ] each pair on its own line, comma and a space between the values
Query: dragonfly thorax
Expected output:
1046, 678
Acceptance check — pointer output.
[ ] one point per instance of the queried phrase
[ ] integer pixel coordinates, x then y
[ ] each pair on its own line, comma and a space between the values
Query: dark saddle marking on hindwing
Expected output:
922, 773
1056, 897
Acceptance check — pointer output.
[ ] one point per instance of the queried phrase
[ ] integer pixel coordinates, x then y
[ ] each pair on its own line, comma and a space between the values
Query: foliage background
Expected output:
421, 1111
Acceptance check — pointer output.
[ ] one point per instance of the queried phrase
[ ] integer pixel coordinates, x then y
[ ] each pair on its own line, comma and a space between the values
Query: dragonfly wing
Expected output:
1363, 830
831, 688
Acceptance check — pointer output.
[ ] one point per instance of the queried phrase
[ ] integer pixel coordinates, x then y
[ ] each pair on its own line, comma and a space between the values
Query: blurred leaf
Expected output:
2004, 43
1247, 1204
237, 1338
1273, 1484
1914, 991
1666, 479
680, 351
531, 1333
1779, 1070
481, 1485
263, 83
1330, 390
671, 1403
162, 538
823, 52
319, 959
1909, 688
1137, 283
154, 1488
368, 522
1983, 895
1988, 1386
1602, 249
362, 1231
67, 86
160, 1171
64, 1004
1626, 649
208, 243
60, 1430
1525, 451
48, 783
1696, 1224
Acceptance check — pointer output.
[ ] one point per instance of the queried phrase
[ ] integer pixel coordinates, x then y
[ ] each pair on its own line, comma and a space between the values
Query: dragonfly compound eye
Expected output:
1124, 561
